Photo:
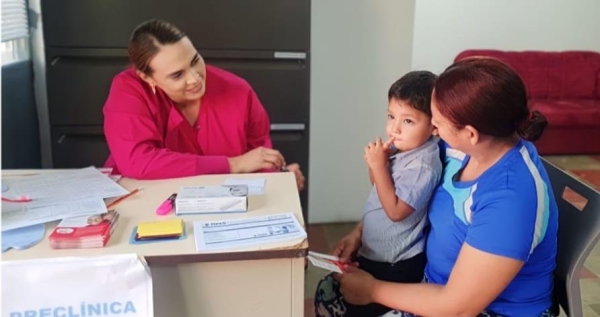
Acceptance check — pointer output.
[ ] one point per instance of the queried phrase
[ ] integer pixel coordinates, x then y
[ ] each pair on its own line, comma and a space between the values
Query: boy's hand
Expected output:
346, 247
377, 153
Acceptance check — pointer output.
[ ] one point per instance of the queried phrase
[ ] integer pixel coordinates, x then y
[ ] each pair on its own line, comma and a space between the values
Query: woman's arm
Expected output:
501, 235
259, 125
476, 280
136, 143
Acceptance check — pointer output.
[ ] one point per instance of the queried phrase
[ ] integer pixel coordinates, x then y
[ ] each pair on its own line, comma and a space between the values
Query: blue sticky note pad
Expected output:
132, 239
23, 238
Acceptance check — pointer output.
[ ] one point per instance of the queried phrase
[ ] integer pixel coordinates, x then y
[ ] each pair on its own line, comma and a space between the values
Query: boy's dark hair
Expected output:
414, 88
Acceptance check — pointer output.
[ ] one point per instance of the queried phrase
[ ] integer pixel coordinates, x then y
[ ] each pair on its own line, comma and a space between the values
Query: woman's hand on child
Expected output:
377, 153
356, 285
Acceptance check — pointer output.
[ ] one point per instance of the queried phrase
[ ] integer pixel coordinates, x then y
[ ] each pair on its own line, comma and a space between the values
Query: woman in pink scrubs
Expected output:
170, 115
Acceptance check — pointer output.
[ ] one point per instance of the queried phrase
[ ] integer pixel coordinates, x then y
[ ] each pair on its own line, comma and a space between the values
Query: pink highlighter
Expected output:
166, 206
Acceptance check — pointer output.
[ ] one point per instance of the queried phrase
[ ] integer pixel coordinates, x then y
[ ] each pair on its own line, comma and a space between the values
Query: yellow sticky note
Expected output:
172, 227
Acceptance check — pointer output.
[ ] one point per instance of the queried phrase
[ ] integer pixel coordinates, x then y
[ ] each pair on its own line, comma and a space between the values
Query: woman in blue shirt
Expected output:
492, 245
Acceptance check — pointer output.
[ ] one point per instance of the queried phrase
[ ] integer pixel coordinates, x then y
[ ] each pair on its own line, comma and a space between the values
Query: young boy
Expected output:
404, 172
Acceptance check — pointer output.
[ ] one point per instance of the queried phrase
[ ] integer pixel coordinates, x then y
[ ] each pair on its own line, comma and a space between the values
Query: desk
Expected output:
258, 281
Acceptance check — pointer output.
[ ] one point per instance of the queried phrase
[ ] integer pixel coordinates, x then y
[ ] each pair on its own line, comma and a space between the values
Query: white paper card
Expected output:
324, 264
115, 285
324, 261
236, 233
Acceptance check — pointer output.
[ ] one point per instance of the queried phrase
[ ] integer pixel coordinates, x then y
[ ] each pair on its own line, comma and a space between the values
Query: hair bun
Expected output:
533, 126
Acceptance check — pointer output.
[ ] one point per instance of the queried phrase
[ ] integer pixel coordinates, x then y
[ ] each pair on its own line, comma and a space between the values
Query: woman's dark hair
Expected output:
488, 95
415, 89
146, 39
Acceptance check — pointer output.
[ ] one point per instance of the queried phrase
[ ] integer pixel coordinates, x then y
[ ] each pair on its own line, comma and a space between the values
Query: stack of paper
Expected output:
84, 232
56, 196
159, 230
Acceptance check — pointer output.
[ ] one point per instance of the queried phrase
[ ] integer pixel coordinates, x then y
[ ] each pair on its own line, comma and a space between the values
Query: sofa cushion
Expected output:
569, 113
598, 86
558, 75
579, 74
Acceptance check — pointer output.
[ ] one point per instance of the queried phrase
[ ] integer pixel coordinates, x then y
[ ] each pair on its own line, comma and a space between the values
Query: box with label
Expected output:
211, 199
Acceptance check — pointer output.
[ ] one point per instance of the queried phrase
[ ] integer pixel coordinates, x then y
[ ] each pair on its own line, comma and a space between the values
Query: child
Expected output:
404, 171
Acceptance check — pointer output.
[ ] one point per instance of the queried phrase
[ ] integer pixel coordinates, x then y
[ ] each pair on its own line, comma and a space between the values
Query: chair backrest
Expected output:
578, 233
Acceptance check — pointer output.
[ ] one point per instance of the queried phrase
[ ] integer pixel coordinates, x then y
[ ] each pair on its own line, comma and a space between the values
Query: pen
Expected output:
166, 206
120, 199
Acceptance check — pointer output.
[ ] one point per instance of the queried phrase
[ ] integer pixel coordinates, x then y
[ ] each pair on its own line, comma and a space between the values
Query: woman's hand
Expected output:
256, 159
356, 285
295, 168
348, 245
377, 153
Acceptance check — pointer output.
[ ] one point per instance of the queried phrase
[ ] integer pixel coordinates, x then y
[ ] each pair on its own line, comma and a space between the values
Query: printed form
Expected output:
68, 184
55, 196
244, 232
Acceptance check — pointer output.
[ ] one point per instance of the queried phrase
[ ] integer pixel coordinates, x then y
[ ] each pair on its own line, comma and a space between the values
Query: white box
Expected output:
211, 199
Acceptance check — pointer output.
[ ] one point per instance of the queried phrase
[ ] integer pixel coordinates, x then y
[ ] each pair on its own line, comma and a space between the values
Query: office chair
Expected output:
578, 233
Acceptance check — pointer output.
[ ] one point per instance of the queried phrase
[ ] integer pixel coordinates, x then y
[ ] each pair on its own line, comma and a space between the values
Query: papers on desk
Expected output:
56, 196
17, 215
244, 232
71, 183
256, 186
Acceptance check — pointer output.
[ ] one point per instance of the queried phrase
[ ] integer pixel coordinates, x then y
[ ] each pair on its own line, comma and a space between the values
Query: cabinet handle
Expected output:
288, 127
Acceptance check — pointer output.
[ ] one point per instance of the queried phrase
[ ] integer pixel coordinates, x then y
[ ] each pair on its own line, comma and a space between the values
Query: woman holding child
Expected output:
491, 246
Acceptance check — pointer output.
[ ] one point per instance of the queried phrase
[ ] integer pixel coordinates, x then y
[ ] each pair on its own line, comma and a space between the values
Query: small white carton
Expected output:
211, 199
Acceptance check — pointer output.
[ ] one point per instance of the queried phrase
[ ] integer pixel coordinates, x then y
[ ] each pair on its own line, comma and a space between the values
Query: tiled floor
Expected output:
322, 238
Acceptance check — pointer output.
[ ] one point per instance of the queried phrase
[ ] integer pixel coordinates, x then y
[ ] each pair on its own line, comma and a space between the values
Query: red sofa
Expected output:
565, 87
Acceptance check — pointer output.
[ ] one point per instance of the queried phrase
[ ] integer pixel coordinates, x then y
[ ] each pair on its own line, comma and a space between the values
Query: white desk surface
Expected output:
281, 195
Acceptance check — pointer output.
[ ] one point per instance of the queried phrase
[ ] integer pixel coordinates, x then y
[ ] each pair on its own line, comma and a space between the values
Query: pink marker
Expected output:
166, 206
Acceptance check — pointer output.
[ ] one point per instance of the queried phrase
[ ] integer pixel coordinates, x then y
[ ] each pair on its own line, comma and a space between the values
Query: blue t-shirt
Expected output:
508, 211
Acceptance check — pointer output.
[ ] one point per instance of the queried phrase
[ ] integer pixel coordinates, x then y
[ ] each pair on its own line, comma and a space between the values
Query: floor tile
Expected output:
309, 310
589, 311
590, 291
317, 240
595, 309
574, 198
574, 162
596, 250
312, 276
586, 273
591, 177
593, 264
335, 232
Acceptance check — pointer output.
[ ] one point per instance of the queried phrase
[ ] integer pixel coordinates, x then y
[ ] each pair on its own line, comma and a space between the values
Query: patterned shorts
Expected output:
395, 313
329, 302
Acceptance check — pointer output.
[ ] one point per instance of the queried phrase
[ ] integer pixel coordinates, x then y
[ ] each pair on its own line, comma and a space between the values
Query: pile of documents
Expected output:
160, 230
84, 231
56, 196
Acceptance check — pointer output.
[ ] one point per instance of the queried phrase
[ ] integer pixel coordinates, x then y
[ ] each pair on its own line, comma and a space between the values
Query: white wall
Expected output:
358, 49
445, 28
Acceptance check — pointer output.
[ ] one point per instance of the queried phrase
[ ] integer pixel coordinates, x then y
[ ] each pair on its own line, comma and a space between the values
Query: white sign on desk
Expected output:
92, 286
